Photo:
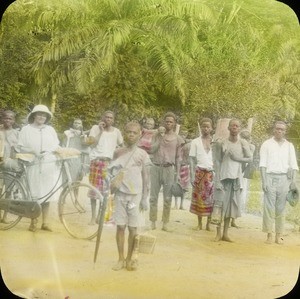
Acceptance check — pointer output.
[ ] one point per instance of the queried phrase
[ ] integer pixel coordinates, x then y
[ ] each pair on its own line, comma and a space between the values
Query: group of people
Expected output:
147, 159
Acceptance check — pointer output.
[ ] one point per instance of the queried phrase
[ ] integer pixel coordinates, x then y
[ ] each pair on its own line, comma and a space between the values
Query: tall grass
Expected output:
254, 203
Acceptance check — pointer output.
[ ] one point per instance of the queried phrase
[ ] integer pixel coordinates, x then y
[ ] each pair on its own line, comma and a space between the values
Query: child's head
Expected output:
245, 134
161, 130
77, 124
149, 123
132, 133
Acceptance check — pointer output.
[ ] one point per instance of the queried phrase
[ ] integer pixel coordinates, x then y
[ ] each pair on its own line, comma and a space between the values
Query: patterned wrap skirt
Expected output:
184, 177
202, 194
98, 174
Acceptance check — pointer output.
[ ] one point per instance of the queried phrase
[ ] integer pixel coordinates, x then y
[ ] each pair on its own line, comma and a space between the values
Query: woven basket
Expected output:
146, 243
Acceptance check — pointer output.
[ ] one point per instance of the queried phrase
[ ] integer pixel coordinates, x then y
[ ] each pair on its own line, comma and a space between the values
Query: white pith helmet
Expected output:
39, 108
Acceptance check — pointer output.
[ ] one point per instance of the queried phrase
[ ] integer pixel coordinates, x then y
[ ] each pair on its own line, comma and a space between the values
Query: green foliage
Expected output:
255, 195
144, 57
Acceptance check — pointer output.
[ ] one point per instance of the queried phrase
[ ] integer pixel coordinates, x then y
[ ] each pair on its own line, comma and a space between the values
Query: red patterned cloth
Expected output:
202, 195
184, 177
146, 139
98, 174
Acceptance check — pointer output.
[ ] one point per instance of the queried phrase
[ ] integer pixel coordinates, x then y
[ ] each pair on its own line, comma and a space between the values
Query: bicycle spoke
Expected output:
11, 189
75, 210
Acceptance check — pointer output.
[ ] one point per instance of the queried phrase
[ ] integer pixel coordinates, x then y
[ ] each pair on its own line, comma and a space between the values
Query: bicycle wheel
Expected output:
10, 189
75, 210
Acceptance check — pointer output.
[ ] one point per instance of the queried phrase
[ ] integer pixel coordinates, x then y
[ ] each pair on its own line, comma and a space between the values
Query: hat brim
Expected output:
30, 117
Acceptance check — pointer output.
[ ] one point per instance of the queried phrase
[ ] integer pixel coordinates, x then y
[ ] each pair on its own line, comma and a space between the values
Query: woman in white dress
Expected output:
40, 139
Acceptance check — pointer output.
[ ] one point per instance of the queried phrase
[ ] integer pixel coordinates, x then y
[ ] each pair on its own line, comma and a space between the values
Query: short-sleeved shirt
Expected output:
107, 143
169, 151
133, 161
9, 138
278, 157
204, 159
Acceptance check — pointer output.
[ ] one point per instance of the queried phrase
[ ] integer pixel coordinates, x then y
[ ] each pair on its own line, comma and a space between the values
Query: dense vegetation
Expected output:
144, 57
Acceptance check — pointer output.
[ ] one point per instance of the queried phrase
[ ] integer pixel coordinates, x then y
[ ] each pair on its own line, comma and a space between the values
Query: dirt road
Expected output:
185, 263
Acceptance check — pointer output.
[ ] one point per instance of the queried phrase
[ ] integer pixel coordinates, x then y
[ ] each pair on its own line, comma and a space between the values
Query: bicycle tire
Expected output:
10, 187
74, 209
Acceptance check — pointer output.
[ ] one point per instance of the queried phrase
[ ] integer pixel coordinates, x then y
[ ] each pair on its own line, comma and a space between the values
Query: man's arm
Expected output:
155, 143
193, 163
217, 158
145, 192
263, 171
95, 134
247, 153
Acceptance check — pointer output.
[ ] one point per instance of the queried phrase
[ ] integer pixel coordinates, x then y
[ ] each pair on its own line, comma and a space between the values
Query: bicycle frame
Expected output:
31, 208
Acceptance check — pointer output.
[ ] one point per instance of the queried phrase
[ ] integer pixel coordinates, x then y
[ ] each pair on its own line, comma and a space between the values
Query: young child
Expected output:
132, 195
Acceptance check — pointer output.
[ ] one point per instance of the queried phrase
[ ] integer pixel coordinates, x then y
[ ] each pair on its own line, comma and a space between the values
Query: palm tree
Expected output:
207, 57
93, 40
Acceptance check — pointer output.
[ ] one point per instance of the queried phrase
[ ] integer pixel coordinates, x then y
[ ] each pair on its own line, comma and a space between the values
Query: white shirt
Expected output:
204, 159
277, 157
107, 143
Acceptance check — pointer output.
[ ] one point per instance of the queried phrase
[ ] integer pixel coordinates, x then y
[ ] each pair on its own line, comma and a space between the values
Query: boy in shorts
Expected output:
132, 195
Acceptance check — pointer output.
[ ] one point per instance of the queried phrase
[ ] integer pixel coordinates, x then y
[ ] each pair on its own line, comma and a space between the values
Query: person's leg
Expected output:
218, 236
155, 185
269, 209
120, 239
168, 179
233, 224
225, 230
33, 225
45, 216
176, 203
4, 218
199, 226
93, 211
181, 202
131, 243
93, 182
166, 213
280, 204
208, 223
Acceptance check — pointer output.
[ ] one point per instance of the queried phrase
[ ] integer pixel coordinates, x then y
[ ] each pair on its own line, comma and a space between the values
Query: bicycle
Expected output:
74, 207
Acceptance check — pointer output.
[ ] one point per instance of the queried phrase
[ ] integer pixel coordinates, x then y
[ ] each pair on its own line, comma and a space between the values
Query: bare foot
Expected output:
119, 265
208, 228
5, 221
268, 241
166, 228
217, 238
132, 265
279, 240
227, 239
199, 227
153, 225
233, 224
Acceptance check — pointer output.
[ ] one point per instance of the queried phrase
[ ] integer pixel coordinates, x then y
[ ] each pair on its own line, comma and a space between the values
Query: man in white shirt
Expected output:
105, 138
278, 166
201, 172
